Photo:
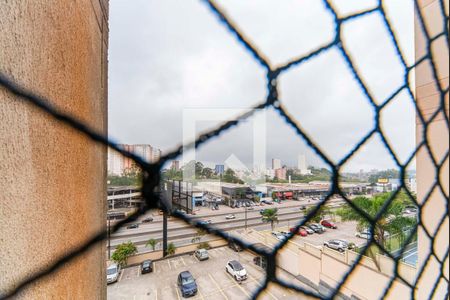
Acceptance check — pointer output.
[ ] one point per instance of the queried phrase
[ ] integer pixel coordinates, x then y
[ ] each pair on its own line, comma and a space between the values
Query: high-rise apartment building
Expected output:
302, 165
281, 173
276, 163
175, 165
117, 163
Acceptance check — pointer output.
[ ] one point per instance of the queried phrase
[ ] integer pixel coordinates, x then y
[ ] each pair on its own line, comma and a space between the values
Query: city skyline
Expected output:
327, 102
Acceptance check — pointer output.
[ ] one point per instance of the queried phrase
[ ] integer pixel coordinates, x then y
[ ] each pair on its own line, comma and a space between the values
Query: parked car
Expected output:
328, 224
410, 210
316, 227
235, 246
336, 245
146, 266
147, 220
300, 231
229, 217
348, 245
112, 273
364, 234
186, 284
307, 229
278, 235
266, 201
133, 226
204, 222
201, 254
235, 269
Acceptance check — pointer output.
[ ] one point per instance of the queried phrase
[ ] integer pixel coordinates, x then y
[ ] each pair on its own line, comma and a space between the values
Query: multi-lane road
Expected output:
181, 233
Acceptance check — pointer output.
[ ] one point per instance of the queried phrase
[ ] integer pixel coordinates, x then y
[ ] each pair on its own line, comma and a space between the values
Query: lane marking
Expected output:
182, 260
138, 273
156, 294
201, 295
178, 294
218, 287
121, 274
168, 262
243, 290
259, 284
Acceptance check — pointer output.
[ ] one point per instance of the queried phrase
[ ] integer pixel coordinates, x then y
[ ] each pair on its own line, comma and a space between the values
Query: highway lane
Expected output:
190, 232
219, 219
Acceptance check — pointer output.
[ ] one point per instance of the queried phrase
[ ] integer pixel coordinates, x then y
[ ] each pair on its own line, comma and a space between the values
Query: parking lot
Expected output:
345, 231
212, 279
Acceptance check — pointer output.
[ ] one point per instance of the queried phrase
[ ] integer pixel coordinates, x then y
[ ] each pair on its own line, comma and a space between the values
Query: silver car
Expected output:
112, 273
338, 245
201, 254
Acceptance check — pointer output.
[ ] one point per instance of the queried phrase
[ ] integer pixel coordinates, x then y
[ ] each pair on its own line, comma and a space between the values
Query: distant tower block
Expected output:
302, 166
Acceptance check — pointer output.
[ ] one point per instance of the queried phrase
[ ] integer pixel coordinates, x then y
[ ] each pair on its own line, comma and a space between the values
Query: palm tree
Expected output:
152, 243
391, 220
270, 215
198, 236
171, 248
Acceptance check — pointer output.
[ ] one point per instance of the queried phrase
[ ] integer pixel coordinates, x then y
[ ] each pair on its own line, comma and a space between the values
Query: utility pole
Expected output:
245, 217
165, 234
109, 237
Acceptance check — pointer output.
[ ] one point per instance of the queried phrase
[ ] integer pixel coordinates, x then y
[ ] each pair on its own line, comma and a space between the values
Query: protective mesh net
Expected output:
151, 171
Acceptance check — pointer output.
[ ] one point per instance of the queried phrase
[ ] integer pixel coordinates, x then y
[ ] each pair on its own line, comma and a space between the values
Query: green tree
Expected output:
391, 220
198, 169
198, 236
152, 243
270, 215
122, 252
208, 173
323, 212
203, 245
171, 248
230, 176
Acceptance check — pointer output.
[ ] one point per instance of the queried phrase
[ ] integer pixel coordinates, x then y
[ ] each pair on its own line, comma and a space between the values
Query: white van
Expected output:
112, 273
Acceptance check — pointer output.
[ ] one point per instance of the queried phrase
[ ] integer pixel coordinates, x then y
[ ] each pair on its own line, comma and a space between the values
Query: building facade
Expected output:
117, 163
219, 169
302, 165
276, 163
53, 178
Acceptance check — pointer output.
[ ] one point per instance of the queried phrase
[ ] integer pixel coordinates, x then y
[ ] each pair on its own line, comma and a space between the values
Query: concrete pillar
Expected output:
428, 99
52, 179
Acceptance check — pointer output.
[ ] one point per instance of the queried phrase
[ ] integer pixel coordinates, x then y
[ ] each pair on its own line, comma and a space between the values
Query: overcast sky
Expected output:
166, 56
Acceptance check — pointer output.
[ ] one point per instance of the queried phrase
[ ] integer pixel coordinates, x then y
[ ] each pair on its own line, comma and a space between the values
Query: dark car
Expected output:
132, 226
316, 227
187, 284
147, 220
146, 266
235, 247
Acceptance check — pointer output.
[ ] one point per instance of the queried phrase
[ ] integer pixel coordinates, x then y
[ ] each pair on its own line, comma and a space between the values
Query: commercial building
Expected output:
124, 196
219, 169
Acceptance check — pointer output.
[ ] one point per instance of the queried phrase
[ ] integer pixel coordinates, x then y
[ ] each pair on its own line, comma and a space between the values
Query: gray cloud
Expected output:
169, 55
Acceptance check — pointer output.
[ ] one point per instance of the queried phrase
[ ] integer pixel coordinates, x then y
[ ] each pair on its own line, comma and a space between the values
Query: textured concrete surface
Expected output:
52, 178
428, 101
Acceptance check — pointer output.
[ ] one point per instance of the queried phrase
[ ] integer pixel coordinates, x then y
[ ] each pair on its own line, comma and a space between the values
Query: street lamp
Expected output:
245, 217
109, 237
